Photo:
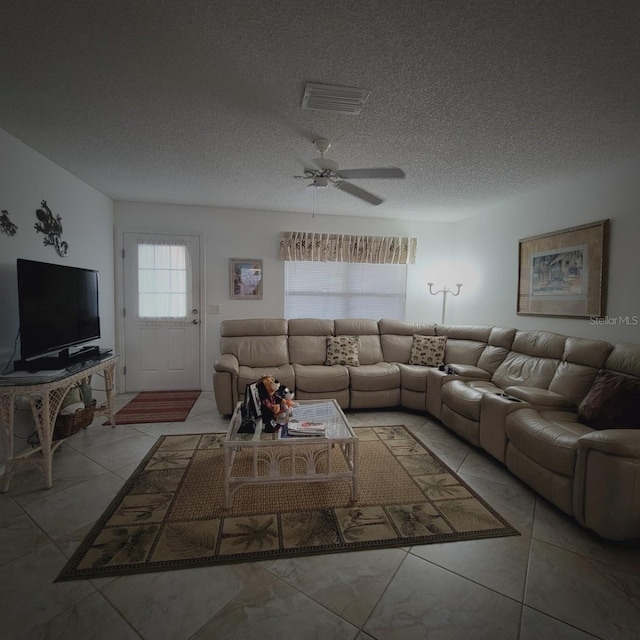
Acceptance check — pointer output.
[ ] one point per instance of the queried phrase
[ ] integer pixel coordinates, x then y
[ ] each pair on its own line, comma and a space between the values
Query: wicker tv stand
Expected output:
45, 399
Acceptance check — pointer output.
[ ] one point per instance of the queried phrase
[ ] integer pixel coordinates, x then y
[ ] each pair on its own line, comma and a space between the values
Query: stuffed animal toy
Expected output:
285, 396
270, 405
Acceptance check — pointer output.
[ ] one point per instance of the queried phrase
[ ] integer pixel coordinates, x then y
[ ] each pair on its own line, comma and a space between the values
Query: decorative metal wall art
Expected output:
6, 226
51, 226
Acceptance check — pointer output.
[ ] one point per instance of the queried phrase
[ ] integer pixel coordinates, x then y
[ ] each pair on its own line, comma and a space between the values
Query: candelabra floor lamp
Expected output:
445, 291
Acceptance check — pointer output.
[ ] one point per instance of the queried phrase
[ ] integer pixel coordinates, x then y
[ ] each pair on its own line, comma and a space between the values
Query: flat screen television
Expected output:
58, 307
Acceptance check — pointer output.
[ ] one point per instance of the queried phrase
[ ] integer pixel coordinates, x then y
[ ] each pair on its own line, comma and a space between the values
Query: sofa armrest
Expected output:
470, 371
541, 397
606, 495
494, 411
614, 442
225, 383
227, 363
436, 379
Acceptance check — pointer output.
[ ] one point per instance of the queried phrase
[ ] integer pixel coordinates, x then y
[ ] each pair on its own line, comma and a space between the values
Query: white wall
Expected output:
27, 178
231, 233
488, 244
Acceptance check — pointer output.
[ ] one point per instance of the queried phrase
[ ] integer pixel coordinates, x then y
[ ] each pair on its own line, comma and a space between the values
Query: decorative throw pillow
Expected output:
342, 350
427, 350
613, 402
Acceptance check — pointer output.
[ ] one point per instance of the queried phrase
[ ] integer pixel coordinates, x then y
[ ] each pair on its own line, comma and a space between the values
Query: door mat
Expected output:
157, 406
169, 514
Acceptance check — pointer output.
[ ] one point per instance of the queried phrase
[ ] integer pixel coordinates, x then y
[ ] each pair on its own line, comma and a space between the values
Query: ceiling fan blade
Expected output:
307, 165
383, 172
358, 192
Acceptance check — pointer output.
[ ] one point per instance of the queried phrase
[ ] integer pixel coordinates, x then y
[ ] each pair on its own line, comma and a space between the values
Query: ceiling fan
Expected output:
326, 172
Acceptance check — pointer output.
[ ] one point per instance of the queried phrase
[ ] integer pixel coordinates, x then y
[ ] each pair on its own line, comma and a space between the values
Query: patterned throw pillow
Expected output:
427, 350
342, 350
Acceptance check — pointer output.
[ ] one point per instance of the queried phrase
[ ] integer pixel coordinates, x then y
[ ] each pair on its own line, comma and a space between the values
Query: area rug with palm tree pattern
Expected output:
170, 515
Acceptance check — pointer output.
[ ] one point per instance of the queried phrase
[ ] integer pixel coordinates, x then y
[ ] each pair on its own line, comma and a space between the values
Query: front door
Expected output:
162, 312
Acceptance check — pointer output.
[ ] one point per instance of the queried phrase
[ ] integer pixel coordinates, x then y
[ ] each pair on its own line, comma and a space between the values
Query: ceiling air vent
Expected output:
325, 97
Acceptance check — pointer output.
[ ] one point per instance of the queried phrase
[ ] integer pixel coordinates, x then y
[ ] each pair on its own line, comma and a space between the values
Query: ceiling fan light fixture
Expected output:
326, 97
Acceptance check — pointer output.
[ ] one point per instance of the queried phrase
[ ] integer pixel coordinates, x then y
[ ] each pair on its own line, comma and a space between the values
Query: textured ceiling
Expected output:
198, 101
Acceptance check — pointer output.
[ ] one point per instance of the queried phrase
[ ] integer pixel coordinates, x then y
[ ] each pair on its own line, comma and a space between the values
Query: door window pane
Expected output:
162, 281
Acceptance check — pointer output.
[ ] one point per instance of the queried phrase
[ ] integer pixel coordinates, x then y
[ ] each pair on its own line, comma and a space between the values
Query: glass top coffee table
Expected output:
267, 458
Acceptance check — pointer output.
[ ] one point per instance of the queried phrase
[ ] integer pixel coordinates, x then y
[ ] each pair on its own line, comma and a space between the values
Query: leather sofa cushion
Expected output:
321, 378
541, 344
463, 351
247, 375
519, 369
308, 349
396, 348
369, 349
476, 333
414, 377
573, 380
613, 402
254, 327
462, 398
257, 351
492, 357
548, 437
375, 377
310, 327
625, 358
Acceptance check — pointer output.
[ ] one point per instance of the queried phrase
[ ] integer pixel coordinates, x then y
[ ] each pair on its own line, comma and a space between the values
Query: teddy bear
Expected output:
285, 396
269, 402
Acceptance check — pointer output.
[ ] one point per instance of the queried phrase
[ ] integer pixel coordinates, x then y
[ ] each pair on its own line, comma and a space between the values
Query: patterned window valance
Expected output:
331, 247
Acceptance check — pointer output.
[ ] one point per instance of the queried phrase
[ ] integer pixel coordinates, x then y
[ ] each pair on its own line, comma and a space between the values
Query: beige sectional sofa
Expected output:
516, 394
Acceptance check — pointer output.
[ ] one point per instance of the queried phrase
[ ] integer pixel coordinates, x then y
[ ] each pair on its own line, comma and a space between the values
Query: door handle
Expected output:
194, 321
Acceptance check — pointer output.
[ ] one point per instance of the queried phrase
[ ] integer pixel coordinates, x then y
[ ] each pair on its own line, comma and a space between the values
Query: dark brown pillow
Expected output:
613, 402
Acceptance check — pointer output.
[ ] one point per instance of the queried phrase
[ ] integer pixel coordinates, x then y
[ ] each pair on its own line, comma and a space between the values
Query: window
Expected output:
162, 281
344, 290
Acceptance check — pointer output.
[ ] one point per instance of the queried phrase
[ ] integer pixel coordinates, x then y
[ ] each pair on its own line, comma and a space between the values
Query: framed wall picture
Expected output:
564, 273
245, 279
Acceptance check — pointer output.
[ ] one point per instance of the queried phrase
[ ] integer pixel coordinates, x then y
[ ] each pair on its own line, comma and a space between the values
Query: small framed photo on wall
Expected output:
245, 279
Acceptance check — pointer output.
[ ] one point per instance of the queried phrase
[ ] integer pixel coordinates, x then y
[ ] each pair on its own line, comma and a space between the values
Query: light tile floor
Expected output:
555, 581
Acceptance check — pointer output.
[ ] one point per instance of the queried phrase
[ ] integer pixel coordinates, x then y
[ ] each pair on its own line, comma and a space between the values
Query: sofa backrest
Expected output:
581, 361
625, 358
308, 340
465, 343
368, 334
396, 338
259, 342
532, 361
497, 349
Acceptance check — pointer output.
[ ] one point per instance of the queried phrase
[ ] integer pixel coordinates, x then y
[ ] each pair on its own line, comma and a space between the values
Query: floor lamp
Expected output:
444, 291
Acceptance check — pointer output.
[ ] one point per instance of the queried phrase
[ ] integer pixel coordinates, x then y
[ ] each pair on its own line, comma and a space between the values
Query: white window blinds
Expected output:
344, 290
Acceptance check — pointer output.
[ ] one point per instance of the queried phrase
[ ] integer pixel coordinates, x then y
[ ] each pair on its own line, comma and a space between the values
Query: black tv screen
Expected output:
58, 307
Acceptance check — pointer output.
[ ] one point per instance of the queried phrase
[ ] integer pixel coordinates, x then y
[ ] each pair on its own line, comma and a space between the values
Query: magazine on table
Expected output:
306, 428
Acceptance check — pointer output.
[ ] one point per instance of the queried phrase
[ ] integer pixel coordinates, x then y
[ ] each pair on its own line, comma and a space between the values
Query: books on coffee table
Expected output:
306, 428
